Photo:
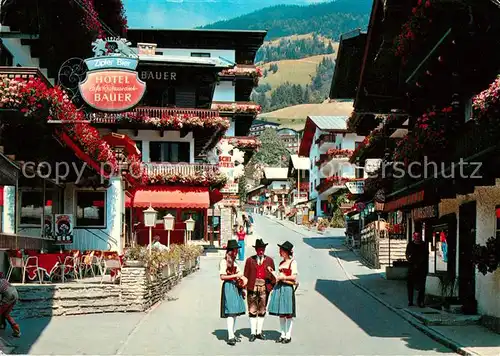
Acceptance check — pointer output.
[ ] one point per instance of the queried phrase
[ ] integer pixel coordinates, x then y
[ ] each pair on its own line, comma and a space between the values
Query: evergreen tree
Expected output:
273, 152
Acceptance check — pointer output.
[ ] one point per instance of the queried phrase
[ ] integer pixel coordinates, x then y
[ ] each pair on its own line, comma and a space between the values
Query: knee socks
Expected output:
253, 325
283, 327
289, 324
231, 321
260, 324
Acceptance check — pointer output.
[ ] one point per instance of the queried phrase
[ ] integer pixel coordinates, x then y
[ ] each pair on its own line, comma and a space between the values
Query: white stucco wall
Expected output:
488, 286
147, 136
8, 211
224, 91
227, 54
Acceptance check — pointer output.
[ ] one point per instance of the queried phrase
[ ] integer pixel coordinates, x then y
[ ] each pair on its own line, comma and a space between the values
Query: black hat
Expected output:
259, 243
232, 244
287, 246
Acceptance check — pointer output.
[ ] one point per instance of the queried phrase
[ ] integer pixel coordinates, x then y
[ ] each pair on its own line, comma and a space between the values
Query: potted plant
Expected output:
136, 256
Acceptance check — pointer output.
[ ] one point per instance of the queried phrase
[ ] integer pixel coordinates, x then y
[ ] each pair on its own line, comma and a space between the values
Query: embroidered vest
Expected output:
261, 271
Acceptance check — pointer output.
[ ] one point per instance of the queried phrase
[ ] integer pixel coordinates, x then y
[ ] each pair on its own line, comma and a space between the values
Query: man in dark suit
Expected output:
260, 284
417, 254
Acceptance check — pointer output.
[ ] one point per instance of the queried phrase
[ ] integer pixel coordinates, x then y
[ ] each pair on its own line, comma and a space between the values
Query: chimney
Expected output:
147, 49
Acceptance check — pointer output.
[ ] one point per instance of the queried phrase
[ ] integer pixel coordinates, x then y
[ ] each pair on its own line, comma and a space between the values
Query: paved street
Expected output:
334, 317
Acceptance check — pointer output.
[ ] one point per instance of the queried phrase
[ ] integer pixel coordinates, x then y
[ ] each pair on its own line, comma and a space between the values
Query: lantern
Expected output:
168, 221
189, 228
150, 217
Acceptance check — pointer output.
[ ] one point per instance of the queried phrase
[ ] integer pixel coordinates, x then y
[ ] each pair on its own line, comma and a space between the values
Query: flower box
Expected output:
135, 264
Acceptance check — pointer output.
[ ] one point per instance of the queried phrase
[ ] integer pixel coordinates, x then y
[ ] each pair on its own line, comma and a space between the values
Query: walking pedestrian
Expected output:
417, 254
250, 222
9, 299
260, 283
232, 296
282, 302
241, 243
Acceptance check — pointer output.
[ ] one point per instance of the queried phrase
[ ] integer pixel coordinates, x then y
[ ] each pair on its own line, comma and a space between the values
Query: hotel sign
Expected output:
112, 83
158, 75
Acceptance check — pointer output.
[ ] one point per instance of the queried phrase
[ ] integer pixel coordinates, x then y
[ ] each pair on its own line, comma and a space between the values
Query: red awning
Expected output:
1, 195
173, 197
215, 196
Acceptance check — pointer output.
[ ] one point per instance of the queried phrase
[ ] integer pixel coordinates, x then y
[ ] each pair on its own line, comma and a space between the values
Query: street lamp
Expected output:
150, 221
168, 221
189, 226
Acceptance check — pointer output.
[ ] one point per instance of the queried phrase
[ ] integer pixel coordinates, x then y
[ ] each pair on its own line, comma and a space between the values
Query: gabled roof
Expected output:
334, 123
275, 173
337, 123
255, 188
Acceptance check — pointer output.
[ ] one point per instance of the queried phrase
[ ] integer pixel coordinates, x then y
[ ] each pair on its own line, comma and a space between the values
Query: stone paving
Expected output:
465, 339
334, 316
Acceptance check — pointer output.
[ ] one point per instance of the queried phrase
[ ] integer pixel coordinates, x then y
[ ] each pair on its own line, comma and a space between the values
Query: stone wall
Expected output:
137, 292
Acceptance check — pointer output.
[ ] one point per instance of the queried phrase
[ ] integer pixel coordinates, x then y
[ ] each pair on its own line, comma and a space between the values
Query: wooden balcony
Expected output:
152, 112
164, 168
24, 73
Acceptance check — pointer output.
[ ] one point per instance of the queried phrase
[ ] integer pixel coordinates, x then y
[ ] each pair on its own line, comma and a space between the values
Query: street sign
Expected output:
356, 187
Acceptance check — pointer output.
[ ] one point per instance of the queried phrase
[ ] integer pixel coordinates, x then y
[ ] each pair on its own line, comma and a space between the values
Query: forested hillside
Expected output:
288, 94
326, 19
294, 47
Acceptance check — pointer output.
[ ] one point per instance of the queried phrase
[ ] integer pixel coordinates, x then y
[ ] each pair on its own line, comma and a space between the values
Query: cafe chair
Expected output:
15, 263
32, 263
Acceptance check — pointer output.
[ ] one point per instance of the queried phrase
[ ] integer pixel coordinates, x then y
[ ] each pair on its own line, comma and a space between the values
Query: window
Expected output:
90, 209
200, 54
31, 206
169, 152
6, 58
163, 212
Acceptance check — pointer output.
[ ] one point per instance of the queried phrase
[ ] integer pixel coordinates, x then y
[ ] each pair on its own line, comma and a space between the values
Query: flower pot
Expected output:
135, 264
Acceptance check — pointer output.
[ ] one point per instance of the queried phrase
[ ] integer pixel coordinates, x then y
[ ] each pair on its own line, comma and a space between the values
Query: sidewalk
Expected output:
463, 339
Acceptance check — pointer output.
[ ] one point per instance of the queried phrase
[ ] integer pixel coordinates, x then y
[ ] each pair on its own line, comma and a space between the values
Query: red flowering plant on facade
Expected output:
248, 71
213, 180
374, 137
33, 98
245, 142
428, 138
237, 108
167, 122
338, 152
486, 104
415, 25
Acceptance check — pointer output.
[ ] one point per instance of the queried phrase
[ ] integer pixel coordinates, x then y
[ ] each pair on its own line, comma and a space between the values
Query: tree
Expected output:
273, 152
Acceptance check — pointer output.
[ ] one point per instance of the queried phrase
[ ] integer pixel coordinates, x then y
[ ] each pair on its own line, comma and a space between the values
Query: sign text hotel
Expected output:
157, 75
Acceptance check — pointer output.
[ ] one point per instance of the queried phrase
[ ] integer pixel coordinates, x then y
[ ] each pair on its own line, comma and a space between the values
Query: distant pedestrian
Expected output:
282, 301
250, 220
9, 299
417, 254
232, 295
241, 243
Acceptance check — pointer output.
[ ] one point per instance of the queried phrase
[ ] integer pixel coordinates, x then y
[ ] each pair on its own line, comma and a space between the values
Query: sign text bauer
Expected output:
112, 90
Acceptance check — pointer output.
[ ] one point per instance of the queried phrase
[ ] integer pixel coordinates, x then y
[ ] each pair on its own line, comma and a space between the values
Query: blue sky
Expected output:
192, 13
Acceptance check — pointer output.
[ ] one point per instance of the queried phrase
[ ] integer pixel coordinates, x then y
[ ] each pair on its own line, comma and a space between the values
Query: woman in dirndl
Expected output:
282, 301
232, 296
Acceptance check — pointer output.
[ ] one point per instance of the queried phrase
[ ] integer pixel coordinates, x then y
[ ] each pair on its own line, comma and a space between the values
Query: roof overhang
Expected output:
349, 60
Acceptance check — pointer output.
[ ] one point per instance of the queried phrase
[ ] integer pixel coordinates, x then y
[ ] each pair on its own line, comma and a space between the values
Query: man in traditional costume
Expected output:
260, 284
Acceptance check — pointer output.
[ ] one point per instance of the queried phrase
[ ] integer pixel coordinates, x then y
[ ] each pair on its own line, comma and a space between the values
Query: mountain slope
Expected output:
327, 19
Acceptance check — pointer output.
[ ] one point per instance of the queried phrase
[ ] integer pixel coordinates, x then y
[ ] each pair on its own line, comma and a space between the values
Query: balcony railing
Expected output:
24, 73
154, 112
179, 168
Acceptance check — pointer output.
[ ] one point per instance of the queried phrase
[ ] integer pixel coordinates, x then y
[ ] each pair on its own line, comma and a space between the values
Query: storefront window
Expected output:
90, 209
163, 212
31, 206
438, 250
